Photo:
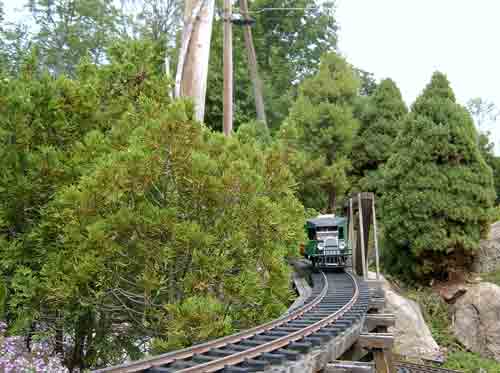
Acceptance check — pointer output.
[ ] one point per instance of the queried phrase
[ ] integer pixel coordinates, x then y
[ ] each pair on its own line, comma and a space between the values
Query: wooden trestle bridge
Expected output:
339, 322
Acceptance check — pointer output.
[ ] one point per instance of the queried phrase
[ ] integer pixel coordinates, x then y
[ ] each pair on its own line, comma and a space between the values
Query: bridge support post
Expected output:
375, 239
362, 239
380, 345
383, 361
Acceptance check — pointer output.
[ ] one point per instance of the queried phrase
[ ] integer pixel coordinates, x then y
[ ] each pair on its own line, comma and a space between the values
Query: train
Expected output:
328, 244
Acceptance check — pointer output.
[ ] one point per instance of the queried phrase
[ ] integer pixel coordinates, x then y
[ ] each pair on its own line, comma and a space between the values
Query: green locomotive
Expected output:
328, 245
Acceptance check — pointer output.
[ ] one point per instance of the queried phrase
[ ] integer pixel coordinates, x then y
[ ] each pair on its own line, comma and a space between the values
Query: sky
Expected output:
407, 40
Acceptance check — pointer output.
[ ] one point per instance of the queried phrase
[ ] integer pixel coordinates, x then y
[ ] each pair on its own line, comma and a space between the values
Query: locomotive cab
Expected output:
328, 245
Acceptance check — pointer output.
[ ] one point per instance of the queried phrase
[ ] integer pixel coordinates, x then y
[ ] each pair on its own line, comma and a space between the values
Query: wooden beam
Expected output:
252, 65
228, 69
362, 239
375, 239
371, 341
349, 367
352, 240
373, 321
384, 361
377, 303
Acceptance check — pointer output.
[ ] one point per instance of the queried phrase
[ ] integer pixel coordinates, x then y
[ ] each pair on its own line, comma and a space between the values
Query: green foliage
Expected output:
121, 210
254, 132
493, 277
192, 320
244, 106
380, 117
69, 30
436, 315
469, 362
285, 57
437, 189
3, 299
319, 132
487, 150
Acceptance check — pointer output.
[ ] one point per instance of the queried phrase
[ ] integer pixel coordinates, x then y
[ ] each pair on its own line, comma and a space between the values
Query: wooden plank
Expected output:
349, 367
377, 303
373, 341
227, 103
362, 240
375, 239
384, 361
373, 321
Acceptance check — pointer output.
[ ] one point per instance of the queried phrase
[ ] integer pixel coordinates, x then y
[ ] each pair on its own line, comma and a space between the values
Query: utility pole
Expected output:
192, 68
228, 69
252, 64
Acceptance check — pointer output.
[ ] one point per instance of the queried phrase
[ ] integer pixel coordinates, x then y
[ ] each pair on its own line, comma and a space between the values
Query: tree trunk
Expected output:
192, 69
253, 66
332, 201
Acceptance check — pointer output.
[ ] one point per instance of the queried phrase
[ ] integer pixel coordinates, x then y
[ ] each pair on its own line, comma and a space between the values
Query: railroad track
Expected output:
338, 300
403, 367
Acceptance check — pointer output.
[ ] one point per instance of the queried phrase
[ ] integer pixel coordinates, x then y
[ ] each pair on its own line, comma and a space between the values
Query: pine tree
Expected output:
438, 190
380, 117
323, 124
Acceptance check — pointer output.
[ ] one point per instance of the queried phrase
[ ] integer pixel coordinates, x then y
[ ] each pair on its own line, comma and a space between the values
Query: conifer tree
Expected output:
380, 120
438, 190
323, 126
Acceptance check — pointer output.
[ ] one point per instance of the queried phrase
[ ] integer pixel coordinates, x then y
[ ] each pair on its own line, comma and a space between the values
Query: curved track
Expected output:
404, 367
338, 300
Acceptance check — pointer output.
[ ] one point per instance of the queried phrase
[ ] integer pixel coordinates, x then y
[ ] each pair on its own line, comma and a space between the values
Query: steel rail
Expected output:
240, 357
417, 368
186, 353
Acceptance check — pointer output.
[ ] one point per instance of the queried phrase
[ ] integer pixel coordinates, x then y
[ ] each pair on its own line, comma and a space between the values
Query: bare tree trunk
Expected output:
192, 69
253, 66
332, 201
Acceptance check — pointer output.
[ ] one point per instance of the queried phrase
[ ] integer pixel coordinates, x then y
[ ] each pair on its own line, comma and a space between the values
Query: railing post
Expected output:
351, 235
375, 239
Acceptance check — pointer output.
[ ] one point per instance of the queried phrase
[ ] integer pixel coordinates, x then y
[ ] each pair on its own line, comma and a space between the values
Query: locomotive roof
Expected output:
326, 221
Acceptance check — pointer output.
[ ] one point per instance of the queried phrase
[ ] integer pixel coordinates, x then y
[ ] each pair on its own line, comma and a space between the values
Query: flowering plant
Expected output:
15, 357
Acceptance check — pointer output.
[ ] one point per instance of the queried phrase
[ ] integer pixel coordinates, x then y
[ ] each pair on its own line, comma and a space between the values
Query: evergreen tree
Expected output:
487, 150
119, 210
380, 117
321, 128
438, 190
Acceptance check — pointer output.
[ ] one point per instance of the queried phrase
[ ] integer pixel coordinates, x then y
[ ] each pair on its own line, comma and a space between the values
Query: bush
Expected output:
437, 192
124, 217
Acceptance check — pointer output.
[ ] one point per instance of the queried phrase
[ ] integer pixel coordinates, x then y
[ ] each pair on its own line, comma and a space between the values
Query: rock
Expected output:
451, 293
476, 320
412, 335
488, 257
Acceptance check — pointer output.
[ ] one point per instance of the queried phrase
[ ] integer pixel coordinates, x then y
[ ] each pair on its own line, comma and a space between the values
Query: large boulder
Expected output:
476, 319
412, 335
488, 257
